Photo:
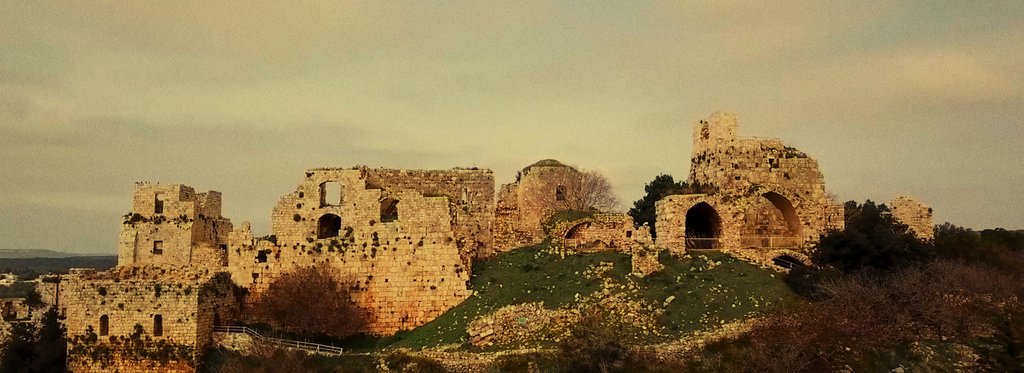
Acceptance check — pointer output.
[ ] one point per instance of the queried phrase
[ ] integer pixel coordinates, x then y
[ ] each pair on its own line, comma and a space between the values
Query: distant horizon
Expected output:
920, 99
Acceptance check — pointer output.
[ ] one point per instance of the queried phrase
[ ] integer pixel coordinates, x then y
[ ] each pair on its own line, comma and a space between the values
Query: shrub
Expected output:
864, 315
309, 301
403, 362
643, 209
595, 344
35, 349
872, 239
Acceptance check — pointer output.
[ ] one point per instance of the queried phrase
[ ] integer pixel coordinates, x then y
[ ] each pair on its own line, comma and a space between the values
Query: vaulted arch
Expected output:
789, 213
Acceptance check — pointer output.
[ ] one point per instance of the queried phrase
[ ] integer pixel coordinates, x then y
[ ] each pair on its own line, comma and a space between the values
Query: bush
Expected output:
872, 240
595, 344
805, 280
31, 349
865, 315
403, 362
309, 301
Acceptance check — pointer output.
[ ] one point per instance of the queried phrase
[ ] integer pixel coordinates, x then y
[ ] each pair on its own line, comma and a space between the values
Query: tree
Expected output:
35, 349
580, 191
309, 300
873, 239
643, 209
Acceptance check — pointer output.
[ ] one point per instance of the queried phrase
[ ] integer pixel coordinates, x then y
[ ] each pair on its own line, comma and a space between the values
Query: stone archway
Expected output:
771, 221
789, 213
703, 227
576, 232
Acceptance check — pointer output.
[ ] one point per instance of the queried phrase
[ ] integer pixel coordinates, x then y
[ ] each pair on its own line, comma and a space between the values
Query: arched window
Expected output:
330, 194
158, 325
104, 325
158, 203
388, 210
328, 226
560, 193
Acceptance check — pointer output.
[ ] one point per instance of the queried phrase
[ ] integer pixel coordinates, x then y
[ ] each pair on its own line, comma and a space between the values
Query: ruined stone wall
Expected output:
120, 363
172, 224
915, 214
218, 305
185, 300
644, 261
602, 231
524, 204
403, 273
51, 292
746, 165
507, 234
765, 193
470, 193
127, 301
671, 216
14, 309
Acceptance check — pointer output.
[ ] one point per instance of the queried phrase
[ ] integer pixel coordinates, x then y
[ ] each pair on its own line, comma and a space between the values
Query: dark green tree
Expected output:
873, 239
643, 209
32, 349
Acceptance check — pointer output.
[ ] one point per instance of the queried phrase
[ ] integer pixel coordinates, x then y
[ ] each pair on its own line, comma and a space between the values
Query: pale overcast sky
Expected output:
922, 98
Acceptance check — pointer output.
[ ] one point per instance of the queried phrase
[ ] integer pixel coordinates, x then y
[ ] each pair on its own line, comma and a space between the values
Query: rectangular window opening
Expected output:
158, 204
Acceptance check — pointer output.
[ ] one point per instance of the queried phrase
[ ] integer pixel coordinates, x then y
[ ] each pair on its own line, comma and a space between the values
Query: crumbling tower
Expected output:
172, 224
747, 192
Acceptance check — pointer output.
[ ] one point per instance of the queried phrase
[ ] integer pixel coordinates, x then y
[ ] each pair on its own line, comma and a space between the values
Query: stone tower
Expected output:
172, 224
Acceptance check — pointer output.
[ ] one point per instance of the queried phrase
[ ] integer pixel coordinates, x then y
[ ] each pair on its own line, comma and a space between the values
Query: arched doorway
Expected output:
576, 236
703, 227
328, 226
576, 232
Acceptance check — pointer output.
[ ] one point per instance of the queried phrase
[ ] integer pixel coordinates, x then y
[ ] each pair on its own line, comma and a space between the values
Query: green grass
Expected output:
519, 276
709, 289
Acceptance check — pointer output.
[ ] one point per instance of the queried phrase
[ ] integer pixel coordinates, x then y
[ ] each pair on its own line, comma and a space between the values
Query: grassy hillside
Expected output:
694, 292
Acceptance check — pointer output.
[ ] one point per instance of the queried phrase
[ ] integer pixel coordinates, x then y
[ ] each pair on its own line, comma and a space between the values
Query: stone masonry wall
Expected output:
185, 300
763, 192
470, 193
915, 214
403, 273
523, 205
172, 224
607, 230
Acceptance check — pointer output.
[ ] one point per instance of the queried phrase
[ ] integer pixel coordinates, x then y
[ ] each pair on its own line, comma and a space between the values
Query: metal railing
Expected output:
703, 243
311, 347
771, 242
746, 242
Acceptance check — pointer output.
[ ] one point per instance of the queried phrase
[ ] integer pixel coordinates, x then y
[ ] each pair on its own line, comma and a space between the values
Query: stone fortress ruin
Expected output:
757, 193
404, 241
